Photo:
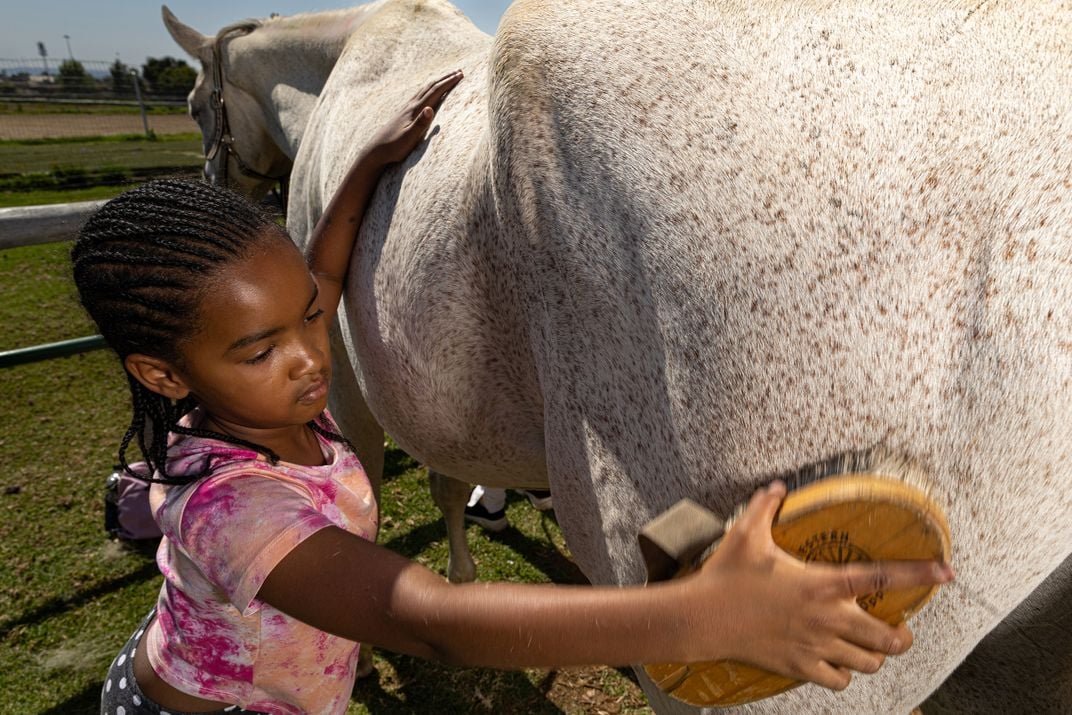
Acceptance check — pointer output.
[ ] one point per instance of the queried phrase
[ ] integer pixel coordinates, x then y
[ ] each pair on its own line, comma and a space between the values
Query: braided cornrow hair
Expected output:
142, 264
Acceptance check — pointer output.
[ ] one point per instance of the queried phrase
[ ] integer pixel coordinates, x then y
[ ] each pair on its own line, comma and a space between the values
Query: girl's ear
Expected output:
157, 375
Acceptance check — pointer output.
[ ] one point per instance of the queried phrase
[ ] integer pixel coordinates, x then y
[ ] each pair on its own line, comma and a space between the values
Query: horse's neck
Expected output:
285, 63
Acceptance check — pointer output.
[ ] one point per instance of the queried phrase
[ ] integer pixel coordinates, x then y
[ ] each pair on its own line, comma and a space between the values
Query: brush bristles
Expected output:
879, 461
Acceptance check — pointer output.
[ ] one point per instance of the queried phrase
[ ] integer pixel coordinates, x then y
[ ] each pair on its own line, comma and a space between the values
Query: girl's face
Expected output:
260, 362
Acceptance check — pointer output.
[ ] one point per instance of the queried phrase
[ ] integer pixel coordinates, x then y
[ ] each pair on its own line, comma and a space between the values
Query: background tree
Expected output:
73, 75
167, 75
121, 79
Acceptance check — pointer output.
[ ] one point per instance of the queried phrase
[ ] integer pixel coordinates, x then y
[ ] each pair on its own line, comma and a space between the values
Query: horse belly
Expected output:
433, 328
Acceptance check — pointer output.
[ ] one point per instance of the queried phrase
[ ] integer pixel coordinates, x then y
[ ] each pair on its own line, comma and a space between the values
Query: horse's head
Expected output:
239, 148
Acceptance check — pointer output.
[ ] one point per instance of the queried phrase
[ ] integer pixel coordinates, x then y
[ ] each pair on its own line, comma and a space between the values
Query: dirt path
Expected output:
40, 126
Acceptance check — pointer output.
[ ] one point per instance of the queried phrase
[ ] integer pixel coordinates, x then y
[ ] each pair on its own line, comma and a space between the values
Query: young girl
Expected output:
271, 574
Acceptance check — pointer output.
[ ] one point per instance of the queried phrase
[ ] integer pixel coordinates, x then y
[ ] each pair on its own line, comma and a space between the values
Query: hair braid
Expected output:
142, 264
328, 434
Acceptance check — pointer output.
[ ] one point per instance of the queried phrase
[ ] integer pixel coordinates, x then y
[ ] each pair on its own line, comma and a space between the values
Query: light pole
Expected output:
69, 53
44, 55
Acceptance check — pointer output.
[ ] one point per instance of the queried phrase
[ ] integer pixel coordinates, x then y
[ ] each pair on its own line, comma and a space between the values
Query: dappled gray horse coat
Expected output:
668, 249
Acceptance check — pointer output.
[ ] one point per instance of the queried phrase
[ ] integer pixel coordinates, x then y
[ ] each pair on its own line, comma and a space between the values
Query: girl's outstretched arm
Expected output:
332, 241
750, 601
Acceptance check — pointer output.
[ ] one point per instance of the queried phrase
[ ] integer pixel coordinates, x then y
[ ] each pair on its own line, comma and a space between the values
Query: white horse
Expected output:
670, 249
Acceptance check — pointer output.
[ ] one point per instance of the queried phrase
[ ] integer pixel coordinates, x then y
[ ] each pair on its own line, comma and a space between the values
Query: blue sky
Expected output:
99, 29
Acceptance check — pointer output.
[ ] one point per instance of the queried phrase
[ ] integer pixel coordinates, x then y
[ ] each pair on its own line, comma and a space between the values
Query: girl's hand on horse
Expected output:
332, 240
406, 130
799, 619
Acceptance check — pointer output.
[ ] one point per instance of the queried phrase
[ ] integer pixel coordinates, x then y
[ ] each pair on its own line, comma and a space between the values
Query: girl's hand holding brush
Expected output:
817, 631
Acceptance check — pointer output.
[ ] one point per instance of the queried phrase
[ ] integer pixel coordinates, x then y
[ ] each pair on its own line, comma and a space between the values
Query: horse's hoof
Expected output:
365, 668
461, 570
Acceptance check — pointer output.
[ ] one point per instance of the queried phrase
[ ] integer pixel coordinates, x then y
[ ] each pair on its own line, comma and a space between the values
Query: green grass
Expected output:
180, 150
69, 598
40, 171
56, 435
9, 199
37, 300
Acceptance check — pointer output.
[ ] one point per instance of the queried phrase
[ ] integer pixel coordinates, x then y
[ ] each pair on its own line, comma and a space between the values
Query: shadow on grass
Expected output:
411, 685
413, 542
56, 606
396, 463
629, 674
541, 555
87, 702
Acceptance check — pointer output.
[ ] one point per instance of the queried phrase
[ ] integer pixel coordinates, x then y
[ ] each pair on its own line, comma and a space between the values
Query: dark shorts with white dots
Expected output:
122, 696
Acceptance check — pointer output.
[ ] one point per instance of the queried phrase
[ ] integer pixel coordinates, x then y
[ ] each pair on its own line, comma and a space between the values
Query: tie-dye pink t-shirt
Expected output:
223, 535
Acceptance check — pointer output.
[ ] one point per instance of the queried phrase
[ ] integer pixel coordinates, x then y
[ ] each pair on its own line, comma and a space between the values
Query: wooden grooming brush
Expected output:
863, 507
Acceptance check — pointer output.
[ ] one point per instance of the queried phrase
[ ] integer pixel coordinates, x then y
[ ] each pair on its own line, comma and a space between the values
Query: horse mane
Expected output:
309, 22
245, 26
328, 19
323, 23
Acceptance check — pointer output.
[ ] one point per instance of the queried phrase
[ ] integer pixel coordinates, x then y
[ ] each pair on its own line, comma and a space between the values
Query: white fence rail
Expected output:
31, 225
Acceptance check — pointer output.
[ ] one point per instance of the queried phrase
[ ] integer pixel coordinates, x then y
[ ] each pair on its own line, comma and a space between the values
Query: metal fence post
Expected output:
22, 356
137, 94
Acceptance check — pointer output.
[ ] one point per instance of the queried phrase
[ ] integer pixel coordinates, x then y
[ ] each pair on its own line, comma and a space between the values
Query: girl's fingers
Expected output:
442, 89
867, 632
860, 579
850, 656
759, 514
423, 119
414, 132
427, 88
431, 85
828, 676
436, 91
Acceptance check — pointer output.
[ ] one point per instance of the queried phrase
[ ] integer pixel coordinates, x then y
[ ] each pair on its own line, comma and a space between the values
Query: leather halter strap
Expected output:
223, 145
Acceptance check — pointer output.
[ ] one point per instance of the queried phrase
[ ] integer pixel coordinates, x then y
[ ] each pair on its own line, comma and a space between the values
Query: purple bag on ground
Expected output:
127, 514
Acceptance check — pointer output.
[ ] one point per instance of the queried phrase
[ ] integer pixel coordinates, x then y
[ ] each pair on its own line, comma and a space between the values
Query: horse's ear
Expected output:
189, 39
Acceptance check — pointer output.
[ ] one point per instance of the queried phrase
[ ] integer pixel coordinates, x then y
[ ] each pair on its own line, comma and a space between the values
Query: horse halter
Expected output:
223, 142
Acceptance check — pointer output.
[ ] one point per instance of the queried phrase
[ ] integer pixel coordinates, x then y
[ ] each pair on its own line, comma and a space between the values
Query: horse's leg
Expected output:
451, 495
